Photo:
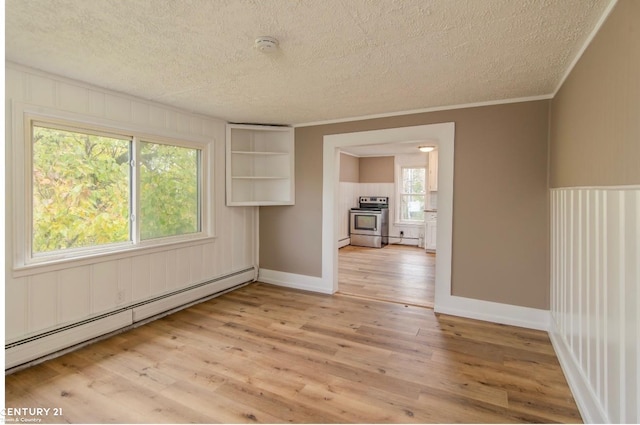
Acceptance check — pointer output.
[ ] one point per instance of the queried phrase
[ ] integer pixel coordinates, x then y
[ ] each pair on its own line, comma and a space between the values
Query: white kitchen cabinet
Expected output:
260, 165
431, 225
432, 183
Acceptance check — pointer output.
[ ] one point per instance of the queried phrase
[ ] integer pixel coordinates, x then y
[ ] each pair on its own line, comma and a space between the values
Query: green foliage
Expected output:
168, 190
80, 190
81, 194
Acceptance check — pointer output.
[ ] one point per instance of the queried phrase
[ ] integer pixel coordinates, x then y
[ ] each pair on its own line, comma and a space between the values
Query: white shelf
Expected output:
260, 165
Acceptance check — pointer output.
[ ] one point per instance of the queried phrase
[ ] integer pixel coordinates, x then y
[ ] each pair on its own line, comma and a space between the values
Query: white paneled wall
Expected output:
595, 298
348, 194
40, 300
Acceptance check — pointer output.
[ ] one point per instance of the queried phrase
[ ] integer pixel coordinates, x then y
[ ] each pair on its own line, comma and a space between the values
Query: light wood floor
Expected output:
397, 273
269, 354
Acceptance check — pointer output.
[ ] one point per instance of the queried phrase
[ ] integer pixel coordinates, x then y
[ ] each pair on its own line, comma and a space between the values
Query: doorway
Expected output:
444, 134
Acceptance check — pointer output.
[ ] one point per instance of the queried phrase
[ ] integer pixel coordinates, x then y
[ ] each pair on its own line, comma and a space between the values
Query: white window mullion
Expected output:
135, 191
201, 189
25, 245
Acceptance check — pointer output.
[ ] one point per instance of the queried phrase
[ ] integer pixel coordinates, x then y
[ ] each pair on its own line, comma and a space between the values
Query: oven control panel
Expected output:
378, 201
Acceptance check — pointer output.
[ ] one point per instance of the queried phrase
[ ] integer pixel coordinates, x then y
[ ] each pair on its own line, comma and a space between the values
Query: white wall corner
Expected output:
588, 403
295, 281
506, 314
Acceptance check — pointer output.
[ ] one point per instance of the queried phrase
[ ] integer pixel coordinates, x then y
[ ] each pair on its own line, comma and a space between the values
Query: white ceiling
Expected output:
337, 58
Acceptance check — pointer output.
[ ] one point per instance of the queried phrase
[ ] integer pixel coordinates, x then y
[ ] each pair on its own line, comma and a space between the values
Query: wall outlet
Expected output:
120, 297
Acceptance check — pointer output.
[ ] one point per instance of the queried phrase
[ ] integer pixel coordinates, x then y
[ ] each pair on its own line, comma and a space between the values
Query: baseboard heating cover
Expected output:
36, 347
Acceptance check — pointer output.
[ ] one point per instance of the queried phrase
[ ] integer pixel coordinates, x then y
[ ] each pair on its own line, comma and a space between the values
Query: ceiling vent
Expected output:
266, 44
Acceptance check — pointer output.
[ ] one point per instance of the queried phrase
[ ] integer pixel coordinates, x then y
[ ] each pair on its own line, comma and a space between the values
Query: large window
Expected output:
412, 194
96, 190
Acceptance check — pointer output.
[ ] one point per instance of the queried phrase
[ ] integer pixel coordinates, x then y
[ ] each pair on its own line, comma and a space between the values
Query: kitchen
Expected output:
388, 213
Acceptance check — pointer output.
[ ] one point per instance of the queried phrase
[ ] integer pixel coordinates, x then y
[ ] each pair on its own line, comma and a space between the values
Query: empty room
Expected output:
403, 211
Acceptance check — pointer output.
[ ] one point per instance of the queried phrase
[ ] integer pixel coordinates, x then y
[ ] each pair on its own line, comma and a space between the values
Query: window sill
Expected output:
94, 258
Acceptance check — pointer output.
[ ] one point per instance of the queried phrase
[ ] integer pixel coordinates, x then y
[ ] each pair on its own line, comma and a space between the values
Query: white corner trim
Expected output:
489, 311
295, 281
587, 42
591, 410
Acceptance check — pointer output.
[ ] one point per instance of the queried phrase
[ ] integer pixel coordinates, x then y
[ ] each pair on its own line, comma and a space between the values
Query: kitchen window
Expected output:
412, 194
98, 190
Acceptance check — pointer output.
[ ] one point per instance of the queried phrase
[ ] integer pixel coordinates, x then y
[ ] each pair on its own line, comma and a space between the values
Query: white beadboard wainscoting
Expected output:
595, 298
348, 198
88, 297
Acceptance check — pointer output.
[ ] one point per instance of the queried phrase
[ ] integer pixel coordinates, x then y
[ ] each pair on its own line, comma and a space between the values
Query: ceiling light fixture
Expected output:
266, 44
426, 148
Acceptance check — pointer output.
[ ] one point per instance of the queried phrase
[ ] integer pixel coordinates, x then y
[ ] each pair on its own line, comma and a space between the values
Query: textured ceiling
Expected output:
337, 58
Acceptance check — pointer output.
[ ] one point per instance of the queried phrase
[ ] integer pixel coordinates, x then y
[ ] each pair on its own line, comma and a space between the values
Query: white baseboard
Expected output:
295, 281
457, 306
344, 242
588, 403
489, 311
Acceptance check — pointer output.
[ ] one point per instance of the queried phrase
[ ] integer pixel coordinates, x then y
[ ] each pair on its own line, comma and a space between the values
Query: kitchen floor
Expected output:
395, 273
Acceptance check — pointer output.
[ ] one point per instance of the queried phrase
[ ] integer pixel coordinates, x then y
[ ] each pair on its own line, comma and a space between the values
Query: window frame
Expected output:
24, 117
400, 192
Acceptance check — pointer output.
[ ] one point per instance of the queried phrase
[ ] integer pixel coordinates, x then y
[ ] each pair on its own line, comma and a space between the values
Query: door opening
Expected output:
444, 134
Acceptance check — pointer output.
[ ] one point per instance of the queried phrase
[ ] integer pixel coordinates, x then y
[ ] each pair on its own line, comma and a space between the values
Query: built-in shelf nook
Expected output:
260, 165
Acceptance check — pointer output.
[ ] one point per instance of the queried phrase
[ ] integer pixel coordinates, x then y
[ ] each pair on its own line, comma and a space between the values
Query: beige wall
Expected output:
379, 169
376, 169
349, 168
500, 224
595, 143
595, 117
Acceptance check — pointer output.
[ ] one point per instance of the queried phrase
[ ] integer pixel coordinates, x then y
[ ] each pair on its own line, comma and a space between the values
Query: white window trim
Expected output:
398, 191
23, 115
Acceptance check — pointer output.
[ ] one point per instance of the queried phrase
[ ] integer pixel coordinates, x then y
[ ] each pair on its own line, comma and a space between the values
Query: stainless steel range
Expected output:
369, 223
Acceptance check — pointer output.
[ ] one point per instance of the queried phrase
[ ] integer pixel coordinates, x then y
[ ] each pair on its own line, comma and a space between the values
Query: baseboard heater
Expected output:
46, 345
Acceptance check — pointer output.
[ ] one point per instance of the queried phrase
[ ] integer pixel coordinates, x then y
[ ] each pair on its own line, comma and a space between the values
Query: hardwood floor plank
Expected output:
337, 394
396, 273
266, 354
